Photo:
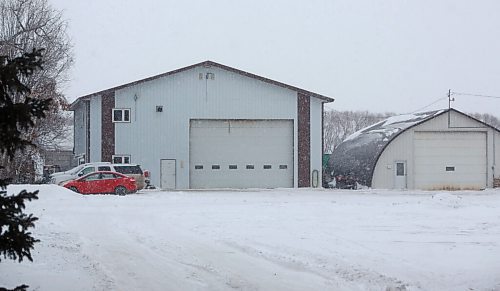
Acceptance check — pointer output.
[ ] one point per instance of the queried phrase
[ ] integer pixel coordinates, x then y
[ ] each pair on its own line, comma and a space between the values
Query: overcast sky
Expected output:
381, 56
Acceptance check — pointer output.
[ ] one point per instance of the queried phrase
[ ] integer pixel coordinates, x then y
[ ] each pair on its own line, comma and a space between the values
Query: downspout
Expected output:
449, 107
493, 167
74, 135
487, 160
322, 141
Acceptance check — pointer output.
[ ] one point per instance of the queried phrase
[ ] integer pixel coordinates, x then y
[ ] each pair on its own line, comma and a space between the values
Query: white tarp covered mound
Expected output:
262, 240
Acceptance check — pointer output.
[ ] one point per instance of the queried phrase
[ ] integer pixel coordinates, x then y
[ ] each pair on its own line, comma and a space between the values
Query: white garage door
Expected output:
241, 153
450, 160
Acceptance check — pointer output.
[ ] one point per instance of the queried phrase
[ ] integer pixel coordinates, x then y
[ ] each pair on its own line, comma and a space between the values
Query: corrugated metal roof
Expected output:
358, 154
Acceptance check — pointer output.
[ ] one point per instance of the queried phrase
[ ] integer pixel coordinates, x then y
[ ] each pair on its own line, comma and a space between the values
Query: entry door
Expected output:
400, 175
167, 173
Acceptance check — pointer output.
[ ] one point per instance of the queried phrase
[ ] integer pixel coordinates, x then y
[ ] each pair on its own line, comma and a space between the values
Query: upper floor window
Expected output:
121, 115
121, 159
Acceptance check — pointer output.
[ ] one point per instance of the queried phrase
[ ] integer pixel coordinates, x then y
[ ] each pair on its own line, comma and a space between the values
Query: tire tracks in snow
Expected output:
343, 276
194, 262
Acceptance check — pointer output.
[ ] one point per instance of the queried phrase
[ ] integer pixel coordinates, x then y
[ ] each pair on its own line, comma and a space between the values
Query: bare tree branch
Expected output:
29, 24
340, 124
487, 118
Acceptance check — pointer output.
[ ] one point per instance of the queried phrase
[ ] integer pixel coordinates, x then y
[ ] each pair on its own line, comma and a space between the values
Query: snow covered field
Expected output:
286, 239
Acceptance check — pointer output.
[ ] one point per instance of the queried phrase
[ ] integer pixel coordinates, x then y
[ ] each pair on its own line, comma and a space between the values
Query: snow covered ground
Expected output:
285, 239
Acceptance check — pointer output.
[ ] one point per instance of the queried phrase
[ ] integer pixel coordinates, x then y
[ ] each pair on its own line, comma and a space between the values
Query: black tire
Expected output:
73, 188
120, 190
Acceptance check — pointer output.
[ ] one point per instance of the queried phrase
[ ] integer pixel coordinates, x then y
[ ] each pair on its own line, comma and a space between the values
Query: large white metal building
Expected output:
206, 126
443, 149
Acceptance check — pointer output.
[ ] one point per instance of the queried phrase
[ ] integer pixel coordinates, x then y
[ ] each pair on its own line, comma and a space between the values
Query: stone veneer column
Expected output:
87, 130
304, 140
108, 127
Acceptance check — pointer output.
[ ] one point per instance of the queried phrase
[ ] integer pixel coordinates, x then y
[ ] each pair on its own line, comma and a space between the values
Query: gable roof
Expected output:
358, 154
208, 64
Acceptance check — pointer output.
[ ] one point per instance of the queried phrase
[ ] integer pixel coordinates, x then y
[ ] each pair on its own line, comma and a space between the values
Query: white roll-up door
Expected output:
241, 153
450, 160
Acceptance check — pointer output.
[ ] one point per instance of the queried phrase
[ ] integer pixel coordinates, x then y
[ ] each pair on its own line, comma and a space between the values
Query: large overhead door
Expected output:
241, 153
450, 160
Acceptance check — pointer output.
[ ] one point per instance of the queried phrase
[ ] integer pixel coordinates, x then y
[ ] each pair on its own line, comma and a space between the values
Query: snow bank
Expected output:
285, 239
447, 200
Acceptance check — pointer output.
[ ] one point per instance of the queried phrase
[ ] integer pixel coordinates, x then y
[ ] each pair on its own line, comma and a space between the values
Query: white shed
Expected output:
443, 149
206, 126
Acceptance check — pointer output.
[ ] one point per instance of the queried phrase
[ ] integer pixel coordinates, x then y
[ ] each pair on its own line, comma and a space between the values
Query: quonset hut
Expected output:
443, 149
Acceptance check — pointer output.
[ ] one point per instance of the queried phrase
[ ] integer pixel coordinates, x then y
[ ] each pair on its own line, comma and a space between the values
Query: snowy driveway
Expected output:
263, 240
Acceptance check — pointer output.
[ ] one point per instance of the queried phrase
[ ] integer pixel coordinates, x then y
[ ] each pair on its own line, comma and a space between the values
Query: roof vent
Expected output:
159, 108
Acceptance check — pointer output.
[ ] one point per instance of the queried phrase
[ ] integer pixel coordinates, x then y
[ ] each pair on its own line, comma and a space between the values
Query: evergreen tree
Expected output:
16, 242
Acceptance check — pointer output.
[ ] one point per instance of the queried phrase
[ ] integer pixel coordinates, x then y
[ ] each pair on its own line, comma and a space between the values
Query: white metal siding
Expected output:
464, 152
218, 145
184, 96
400, 149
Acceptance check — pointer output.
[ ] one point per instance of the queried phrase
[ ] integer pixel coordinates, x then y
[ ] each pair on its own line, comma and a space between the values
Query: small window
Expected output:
117, 115
250, 167
121, 115
283, 167
233, 167
198, 167
121, 159
267, 167
81, 160
104, 168
400, 169
450, 169
215, 167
